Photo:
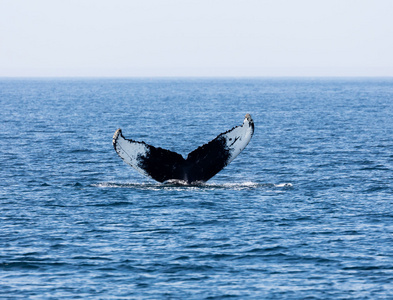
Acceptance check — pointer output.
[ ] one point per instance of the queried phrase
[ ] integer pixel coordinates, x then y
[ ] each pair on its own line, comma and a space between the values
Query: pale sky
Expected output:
196, 38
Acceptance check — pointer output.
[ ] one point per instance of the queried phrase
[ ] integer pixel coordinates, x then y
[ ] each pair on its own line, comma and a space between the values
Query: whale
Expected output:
199, 166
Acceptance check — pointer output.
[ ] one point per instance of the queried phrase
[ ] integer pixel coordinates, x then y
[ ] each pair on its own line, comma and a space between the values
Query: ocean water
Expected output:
304, 212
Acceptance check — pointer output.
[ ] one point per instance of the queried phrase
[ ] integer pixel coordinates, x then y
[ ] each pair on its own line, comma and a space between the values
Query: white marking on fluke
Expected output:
199, 166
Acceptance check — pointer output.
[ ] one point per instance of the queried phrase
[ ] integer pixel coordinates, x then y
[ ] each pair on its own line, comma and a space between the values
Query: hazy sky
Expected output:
196, 38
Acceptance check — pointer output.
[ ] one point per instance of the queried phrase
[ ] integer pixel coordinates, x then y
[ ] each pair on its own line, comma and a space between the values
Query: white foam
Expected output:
180, 185
284, 185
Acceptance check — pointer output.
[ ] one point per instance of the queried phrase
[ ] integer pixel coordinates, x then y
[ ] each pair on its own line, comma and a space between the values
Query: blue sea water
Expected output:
304, 212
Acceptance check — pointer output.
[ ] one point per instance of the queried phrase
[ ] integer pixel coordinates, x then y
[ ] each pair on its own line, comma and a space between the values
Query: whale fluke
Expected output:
200, 165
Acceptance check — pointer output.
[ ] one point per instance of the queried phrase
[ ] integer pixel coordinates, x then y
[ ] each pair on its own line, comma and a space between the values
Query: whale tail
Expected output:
200, 165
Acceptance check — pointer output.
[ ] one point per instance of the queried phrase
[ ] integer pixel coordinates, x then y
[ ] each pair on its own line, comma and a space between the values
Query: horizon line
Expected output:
186, 76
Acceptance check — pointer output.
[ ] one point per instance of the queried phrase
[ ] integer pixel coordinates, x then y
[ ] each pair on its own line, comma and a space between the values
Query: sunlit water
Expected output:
304, 212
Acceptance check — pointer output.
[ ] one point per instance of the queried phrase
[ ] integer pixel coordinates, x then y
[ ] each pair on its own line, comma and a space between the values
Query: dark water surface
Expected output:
305, 212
